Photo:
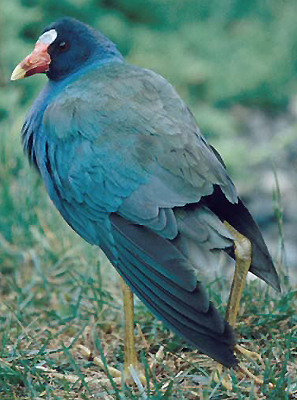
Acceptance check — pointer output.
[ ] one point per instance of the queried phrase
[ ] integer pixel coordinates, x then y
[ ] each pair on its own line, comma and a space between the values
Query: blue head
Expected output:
66, 46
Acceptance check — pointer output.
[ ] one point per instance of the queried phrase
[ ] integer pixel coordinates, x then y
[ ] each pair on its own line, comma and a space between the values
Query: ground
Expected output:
64, 297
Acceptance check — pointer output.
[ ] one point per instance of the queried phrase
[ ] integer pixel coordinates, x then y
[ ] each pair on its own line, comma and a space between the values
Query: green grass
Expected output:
57, 293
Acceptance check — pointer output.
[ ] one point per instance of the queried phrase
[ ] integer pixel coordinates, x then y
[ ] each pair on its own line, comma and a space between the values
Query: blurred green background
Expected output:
234, 62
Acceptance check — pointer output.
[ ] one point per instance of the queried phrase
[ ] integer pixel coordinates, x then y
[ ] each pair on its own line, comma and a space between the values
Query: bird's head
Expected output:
63, 48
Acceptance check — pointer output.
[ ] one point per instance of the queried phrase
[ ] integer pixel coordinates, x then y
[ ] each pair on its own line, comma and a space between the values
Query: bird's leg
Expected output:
129, 346
129, 349
243, 257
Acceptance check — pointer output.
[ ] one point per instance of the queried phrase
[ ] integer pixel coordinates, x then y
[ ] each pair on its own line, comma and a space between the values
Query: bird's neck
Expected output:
54, 88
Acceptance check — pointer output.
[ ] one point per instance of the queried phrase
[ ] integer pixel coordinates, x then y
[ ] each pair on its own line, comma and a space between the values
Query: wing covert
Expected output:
133, 145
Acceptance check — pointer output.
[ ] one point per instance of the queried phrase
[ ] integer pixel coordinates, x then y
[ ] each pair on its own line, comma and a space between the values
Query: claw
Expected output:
115, 373
96, 360
258, 380
252, 355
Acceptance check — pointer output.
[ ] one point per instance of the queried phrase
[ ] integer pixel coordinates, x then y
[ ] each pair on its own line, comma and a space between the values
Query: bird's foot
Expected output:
250, 355
132, 374
225, 379
135, 376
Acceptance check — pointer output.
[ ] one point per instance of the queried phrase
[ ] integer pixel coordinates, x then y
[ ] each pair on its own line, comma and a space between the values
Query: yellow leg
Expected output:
130, 354
243, 257
129, 350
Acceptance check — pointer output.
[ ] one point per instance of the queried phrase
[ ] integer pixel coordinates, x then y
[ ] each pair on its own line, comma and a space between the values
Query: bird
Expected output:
124, 162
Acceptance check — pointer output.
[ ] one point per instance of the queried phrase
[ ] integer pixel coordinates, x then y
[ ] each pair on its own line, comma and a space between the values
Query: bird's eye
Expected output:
63, 46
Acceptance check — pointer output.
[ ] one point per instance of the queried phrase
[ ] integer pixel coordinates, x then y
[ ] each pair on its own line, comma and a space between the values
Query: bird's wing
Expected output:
137, 117
124, 162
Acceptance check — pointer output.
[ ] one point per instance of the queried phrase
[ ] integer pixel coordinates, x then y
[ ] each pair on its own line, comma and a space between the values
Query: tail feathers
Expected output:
221, 351
240, 218
187, 312
262, 264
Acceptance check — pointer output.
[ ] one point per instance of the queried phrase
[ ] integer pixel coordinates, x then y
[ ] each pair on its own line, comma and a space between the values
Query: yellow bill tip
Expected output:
18, 73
